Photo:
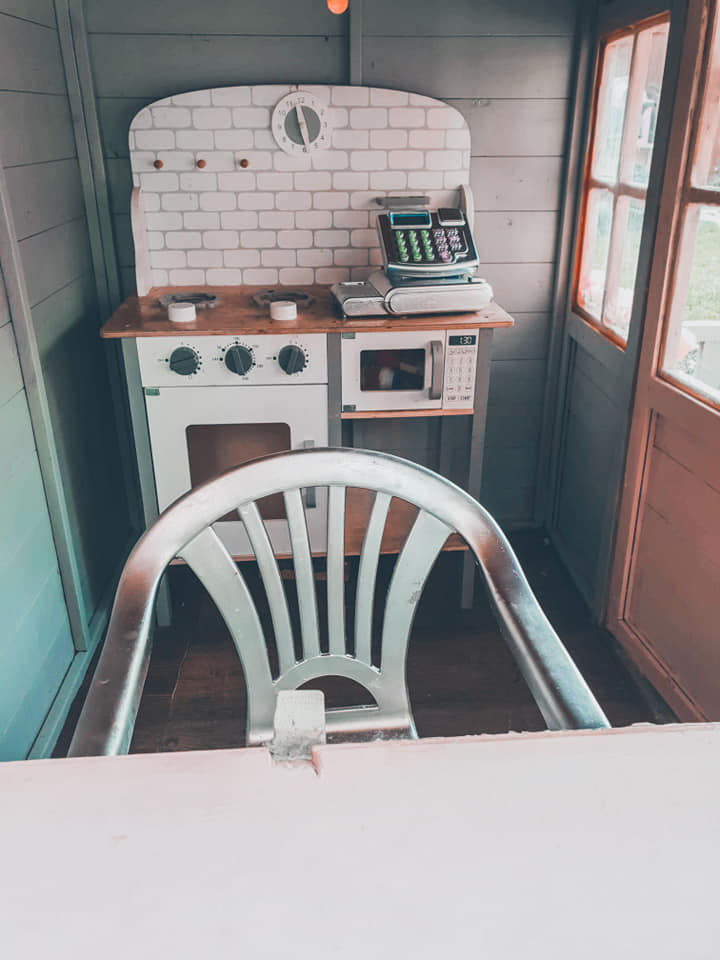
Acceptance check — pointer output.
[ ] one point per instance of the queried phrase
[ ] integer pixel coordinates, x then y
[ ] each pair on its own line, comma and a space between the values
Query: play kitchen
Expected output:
304, 262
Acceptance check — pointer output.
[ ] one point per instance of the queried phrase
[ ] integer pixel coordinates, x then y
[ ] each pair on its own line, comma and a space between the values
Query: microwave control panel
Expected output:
426, 244
460, 363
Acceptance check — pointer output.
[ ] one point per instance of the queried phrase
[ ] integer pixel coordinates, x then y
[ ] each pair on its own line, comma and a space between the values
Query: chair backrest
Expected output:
185, 530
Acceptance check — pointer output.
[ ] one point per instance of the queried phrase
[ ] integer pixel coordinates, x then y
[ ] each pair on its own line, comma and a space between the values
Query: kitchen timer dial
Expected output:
300, 123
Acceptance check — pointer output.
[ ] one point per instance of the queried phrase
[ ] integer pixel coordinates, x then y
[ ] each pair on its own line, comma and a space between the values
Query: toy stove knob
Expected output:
292, 359
238, 360
184, 361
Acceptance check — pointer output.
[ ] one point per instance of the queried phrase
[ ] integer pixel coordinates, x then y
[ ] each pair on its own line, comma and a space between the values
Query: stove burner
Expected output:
203, 301
263, 298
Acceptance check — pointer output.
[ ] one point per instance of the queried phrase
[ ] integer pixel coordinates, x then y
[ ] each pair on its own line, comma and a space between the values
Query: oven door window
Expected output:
392, 370
216, 447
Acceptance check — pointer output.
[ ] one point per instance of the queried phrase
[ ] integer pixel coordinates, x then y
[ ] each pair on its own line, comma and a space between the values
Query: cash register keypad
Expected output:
439, 245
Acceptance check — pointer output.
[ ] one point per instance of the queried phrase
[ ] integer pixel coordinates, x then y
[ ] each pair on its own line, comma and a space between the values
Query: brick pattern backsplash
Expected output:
282, 219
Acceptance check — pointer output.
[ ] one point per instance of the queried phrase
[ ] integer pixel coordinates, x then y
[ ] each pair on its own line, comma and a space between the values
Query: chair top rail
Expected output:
559, 689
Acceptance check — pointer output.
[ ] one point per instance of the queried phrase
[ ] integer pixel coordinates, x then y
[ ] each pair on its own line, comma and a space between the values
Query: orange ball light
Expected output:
337, 6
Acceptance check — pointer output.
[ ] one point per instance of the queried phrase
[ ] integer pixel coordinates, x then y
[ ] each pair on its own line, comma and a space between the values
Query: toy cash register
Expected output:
429, 266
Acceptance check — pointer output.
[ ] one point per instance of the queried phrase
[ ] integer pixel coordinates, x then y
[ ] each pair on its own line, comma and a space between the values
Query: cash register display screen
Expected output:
405, 221
392, 370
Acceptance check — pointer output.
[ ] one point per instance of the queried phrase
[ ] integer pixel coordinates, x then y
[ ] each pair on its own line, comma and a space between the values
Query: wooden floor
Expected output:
462, 678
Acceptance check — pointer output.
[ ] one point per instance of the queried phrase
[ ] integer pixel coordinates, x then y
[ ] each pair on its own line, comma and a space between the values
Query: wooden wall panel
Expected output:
41, 128
36, 11
30, 58
515, 127
589, 444
37, 150
675, 576
527, 340
525, 236
54, 258
451, 66
214, 18
516, 183
158, 66
467, 18
45, 195
521, 287
10, 376
35, 643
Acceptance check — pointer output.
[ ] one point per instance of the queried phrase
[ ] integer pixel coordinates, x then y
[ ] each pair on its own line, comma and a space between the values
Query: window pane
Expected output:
692, 350
706, 168
647, 72
612, 97
593, 266
629, 215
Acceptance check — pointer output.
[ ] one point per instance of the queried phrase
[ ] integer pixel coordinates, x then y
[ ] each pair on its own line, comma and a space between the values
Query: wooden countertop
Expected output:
236, 312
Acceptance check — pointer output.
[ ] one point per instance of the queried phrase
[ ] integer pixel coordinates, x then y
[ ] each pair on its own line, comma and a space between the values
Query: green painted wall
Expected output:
38, 155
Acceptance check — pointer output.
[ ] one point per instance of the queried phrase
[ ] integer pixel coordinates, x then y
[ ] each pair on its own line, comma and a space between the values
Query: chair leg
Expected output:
467, 591
163, 604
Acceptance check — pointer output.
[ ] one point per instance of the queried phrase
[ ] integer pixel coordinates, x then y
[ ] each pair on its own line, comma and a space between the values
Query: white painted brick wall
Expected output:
220, 239
254, 214
178, 201
257, 239
388, 139
192, 140
242, 220
314, 219
278, 258
204, 258
295, 239
231, 96
201, 221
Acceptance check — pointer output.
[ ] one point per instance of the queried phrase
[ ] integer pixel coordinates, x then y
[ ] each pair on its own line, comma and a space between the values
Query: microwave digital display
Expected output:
392, 370
462, 340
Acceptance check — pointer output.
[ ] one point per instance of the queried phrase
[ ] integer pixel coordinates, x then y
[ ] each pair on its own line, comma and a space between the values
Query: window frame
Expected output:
619, 189
688, 199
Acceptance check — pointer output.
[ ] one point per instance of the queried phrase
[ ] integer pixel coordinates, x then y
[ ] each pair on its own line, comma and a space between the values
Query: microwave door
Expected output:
392, 371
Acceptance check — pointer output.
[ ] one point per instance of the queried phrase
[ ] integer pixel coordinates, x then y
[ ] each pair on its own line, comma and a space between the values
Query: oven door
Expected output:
392, 370
198, 432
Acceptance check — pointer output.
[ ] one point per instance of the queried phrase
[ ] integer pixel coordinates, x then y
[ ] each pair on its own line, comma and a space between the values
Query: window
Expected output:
691, 354
627, 95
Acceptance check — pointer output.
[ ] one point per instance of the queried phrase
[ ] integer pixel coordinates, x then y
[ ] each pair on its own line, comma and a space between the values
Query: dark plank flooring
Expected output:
461, 677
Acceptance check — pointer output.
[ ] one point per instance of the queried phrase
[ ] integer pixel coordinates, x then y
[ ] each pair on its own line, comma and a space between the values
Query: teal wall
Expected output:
36, 646
41, 170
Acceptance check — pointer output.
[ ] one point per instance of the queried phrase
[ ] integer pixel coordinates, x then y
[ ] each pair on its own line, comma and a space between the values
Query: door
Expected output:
665, 597
630, 75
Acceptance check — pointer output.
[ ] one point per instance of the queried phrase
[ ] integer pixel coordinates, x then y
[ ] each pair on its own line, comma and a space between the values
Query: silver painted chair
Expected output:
185, 530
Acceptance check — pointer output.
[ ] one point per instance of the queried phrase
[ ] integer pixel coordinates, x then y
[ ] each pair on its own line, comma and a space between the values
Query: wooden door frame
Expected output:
571, 329
654, 394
